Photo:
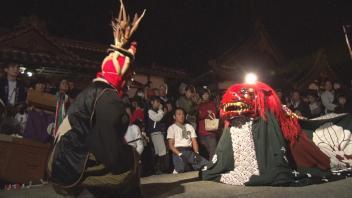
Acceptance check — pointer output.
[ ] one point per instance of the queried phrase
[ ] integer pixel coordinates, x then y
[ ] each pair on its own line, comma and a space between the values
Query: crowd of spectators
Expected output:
167, 130
22, 117
318, 99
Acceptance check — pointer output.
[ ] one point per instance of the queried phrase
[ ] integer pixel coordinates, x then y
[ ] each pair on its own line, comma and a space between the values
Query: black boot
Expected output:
157, 166
164, 163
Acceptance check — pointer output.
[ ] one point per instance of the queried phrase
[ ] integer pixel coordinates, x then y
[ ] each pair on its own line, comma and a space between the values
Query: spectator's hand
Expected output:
197, 158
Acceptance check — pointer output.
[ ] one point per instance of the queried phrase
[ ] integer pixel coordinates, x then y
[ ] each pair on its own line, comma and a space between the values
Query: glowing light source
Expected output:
251, 78
22, 70
29, 74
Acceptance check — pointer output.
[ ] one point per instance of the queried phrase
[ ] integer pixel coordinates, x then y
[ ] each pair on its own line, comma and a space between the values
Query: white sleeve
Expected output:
156, 117
140, 146
327, 104
191, 129
170, 133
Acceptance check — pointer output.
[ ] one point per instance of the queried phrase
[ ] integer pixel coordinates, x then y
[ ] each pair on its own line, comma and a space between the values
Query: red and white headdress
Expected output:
117, 63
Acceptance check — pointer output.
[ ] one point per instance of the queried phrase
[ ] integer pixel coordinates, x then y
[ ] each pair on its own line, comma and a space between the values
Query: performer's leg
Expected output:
101, 182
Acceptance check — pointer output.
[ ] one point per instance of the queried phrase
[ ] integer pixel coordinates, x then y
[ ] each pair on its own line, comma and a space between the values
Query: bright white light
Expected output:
29, 74
22, 70
251, 78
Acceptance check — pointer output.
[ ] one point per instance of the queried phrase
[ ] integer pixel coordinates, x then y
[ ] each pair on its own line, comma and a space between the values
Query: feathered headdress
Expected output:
116, 64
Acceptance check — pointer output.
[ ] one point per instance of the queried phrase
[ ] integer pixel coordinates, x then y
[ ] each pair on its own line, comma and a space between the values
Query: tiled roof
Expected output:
33, 47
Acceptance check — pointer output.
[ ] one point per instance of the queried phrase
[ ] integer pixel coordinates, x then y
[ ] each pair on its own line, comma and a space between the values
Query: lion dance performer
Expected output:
90, 151
264, 143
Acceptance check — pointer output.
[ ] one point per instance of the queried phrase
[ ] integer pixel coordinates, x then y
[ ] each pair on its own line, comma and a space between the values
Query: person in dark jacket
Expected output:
12, 92
342, 104
188, 102
90, 149
156, 130
298, 105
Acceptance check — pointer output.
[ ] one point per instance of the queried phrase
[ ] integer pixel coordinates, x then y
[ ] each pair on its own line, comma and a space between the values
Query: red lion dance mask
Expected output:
253, 100
115, 68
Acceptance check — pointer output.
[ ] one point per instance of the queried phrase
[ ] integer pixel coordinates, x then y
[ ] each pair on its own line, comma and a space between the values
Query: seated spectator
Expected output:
40, 86
313, 86
298, 105
138, 112
328, 97
155, 129
73, 91
50, 88
188, 103
148, 93
156, 92
140, 97
134, 137
182, 89
207, 108
168, 120
342, 106
163, 94
40, 122
169, 114
183, 143
62, 104
315, 108
12, 91
337, 87
281, 96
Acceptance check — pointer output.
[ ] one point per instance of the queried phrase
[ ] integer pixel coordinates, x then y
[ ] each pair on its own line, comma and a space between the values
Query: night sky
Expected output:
188, 33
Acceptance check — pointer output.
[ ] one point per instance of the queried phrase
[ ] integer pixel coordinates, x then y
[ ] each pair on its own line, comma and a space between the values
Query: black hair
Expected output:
155, 98
137, 101
190, 88
58, 83
38, 81
179, 109
312, 93
139, 123
202, 91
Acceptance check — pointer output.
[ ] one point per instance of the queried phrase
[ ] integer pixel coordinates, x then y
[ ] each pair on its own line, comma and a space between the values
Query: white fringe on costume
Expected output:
246, 163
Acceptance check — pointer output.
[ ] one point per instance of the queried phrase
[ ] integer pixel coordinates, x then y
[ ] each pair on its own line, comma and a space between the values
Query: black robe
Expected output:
104, 137
268, 141
279, 163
